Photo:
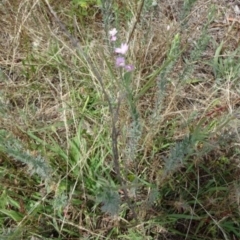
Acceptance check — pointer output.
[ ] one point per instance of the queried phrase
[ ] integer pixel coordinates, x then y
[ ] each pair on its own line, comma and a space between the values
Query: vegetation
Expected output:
119, 120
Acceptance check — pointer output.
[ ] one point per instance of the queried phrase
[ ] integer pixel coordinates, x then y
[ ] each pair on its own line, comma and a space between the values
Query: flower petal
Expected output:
120, 61
113, 32
129, 68
113, 38
123, 49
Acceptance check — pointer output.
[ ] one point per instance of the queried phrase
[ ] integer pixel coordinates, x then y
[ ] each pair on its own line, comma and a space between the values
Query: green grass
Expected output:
90, 151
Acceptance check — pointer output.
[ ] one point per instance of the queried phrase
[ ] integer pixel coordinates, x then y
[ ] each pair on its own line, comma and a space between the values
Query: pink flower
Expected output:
123, 49
129, 68
120, 61
113, 38
113, 32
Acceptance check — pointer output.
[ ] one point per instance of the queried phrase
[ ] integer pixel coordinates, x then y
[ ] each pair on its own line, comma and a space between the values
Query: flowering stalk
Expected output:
121, 51
120, 62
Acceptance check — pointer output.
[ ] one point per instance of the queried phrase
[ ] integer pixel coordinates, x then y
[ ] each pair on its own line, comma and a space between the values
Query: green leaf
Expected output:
12, 214
110, 200
216, 58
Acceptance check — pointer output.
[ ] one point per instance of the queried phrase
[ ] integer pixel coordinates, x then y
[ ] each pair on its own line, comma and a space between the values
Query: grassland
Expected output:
91, 150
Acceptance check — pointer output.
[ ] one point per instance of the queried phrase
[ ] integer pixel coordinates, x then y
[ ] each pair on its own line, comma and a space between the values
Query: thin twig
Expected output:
137, 19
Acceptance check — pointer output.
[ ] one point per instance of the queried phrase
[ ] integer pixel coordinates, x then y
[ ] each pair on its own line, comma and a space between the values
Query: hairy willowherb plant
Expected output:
124, 76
